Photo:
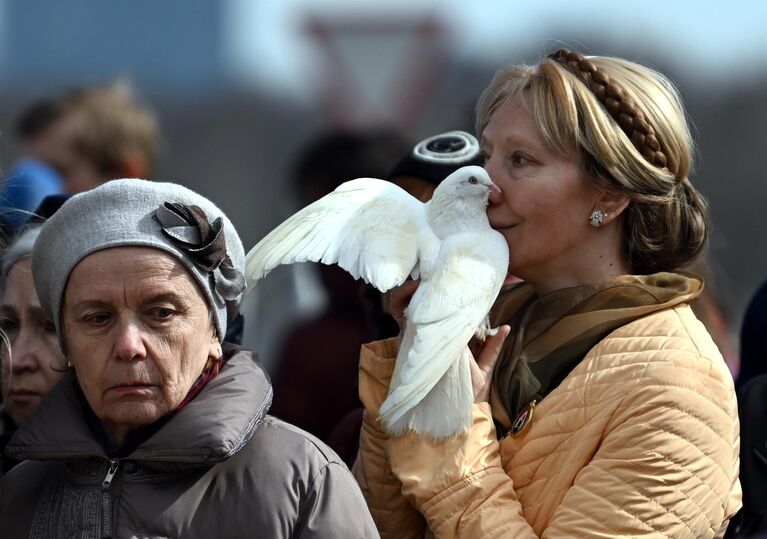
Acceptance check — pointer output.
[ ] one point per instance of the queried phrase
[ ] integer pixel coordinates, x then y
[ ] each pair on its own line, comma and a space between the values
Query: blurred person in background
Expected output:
751, 384
75, 142
753, 338
99, 133
29, 180
34, 362
315, 375
602, 406
751, 521
159, 428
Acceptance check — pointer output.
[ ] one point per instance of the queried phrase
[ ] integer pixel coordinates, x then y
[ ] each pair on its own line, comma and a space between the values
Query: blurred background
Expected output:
240, 86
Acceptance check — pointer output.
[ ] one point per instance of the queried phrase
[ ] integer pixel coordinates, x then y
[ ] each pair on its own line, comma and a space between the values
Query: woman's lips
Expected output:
23, 395
132, 388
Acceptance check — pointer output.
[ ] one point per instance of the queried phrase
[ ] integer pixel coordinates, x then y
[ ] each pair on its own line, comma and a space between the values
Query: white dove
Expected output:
378, 232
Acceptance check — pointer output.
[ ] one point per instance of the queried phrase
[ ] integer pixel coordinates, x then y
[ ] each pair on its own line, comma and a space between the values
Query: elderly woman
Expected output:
37, 359
608, 410
160, 429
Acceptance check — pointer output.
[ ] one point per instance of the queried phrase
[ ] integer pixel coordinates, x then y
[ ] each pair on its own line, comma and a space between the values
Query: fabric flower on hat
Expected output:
189, 229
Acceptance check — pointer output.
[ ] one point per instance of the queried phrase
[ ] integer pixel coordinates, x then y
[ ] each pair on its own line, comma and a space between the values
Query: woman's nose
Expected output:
24, 351
496, 197
129, 342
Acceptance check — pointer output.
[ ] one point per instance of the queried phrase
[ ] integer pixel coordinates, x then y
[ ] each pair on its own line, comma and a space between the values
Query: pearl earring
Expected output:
597, 218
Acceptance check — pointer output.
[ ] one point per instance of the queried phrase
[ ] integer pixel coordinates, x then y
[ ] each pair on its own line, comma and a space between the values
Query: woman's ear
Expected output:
612, 205
215, 352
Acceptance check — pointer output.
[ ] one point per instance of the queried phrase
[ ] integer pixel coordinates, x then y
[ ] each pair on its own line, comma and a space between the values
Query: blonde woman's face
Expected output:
37, 362
545, 202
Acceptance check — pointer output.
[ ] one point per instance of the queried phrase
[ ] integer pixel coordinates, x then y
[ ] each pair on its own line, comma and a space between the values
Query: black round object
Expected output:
435, 158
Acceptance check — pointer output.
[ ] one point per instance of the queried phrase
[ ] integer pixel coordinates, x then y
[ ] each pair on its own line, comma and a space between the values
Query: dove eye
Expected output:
472, 180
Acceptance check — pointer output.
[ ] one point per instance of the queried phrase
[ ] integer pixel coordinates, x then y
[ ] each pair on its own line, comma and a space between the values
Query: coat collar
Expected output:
551, 334
211, 428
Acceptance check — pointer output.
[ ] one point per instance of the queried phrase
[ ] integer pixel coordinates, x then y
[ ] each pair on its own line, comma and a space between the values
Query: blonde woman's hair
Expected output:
626, 124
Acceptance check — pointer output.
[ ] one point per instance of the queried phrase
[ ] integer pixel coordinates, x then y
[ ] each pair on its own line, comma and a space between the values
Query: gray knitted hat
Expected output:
141, 213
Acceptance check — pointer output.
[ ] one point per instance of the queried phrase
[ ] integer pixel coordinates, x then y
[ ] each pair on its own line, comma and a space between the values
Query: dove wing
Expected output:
371, 228
446, 311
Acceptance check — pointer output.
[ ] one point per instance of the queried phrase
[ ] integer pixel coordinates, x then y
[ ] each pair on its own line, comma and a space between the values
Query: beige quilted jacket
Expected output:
640, 440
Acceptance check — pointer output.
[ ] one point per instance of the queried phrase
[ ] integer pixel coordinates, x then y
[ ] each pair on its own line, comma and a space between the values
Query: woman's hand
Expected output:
396, 300
482, 368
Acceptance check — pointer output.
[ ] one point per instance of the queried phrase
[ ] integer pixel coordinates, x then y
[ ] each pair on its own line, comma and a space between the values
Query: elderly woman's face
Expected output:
138, 334
37, 362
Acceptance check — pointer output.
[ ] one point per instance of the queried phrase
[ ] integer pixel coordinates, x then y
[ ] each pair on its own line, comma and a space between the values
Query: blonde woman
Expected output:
607, 411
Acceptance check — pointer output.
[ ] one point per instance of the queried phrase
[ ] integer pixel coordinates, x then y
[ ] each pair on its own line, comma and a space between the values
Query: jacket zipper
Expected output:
107, 499
113, 465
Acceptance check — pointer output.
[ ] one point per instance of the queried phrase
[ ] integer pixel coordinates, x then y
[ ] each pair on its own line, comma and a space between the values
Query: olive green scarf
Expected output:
551, 334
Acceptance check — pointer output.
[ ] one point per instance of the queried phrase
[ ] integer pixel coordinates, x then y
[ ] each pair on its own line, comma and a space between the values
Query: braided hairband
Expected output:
620, 106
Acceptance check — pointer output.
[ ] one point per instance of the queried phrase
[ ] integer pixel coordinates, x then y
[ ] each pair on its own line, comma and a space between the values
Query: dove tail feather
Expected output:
446, 411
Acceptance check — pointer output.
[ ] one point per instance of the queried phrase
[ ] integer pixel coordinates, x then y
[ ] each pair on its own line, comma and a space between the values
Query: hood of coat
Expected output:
216, 424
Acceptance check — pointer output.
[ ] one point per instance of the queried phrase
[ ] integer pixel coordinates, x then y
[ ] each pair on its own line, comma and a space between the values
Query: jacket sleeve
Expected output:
334, 507
459, 485
667, 467
394, 516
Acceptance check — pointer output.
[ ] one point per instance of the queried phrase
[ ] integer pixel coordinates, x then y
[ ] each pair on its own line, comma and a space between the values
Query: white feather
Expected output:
371, 228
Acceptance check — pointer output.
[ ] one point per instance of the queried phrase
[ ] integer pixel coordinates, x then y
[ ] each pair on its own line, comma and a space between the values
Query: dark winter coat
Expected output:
220, 467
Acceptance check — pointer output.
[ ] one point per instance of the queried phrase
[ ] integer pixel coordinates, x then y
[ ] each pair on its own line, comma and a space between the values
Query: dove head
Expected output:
466, 183
460, 201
